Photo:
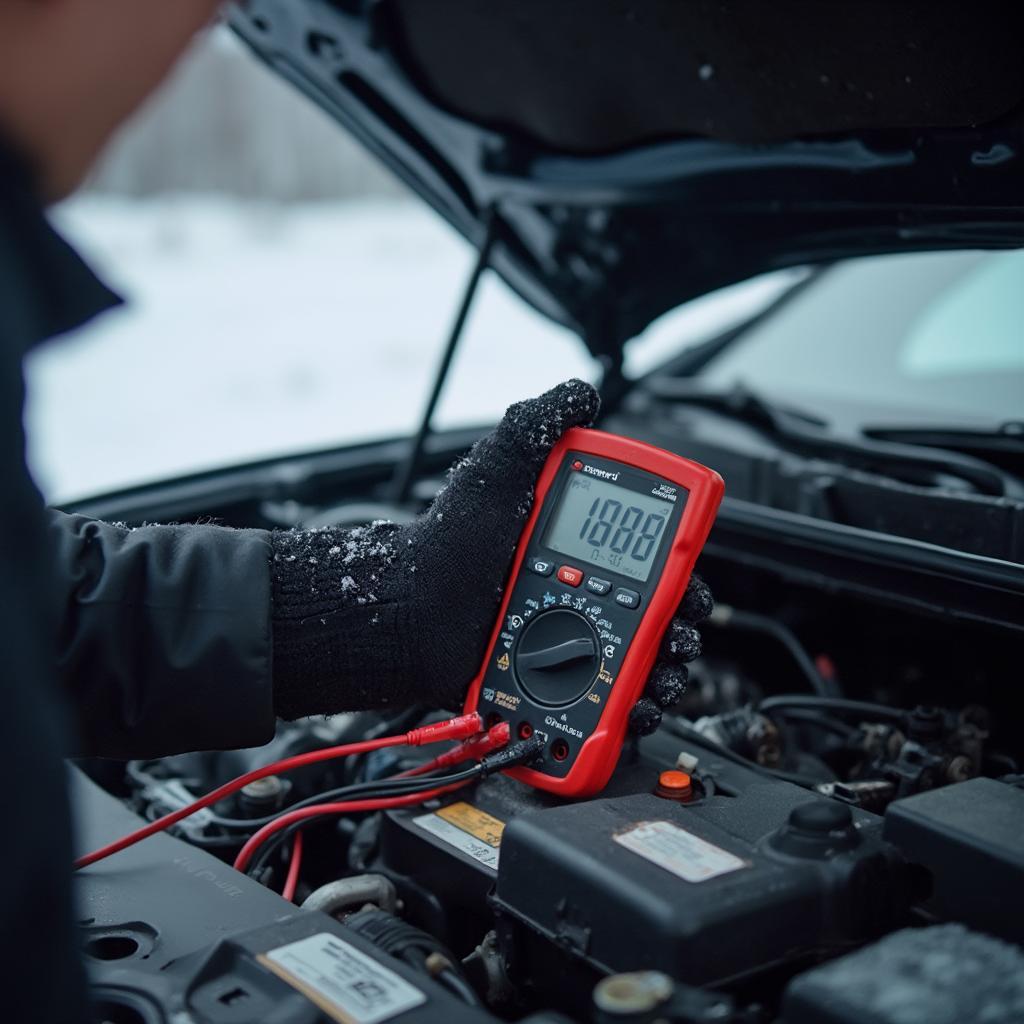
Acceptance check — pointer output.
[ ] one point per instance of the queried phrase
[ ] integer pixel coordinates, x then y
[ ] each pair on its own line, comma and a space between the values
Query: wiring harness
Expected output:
418, 785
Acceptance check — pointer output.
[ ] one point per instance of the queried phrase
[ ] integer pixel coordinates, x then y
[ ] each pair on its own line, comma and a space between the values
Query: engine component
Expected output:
871, 794
970, 837
156, 949
444, 860
753, 735
937, 747
487, 966
262, 797
623, 995
413, 946
704, 892
353, 893
646, 997
942, 975
278, 971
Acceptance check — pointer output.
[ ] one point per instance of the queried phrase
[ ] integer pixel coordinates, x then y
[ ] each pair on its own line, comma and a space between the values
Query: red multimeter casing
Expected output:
600, 569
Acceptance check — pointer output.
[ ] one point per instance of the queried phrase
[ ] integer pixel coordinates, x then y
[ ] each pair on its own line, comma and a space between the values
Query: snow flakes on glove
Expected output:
386, 614
681, 644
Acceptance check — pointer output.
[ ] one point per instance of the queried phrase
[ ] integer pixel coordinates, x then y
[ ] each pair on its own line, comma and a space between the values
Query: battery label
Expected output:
468, 829
687, 856
343, 981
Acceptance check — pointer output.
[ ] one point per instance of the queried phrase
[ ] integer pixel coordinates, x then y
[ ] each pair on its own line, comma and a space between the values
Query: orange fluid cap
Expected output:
674, 785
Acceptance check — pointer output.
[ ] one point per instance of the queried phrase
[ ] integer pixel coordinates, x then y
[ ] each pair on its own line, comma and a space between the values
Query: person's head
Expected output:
72, 70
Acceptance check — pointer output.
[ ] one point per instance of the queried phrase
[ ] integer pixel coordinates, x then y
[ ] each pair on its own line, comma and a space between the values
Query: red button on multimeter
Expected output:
566, 662
570, 576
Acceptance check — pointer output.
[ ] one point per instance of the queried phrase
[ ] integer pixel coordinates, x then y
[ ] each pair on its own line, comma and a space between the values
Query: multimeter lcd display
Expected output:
608, 525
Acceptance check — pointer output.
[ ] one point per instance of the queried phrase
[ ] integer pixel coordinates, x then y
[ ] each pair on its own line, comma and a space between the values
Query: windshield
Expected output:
935, 338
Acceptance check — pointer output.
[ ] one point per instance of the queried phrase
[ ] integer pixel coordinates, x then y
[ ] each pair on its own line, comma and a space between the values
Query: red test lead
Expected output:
473, 749
253, 843
519, 753
453, 729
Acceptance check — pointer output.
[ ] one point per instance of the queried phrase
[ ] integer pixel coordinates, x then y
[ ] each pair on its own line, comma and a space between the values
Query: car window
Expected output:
931, 338
975, 326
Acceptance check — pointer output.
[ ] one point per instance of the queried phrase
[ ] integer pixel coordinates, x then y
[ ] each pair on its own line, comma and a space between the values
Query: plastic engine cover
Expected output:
705, 892
942, 975
171, 933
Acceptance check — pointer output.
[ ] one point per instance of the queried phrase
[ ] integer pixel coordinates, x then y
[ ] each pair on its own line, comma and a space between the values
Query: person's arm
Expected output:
193, 637
164, 642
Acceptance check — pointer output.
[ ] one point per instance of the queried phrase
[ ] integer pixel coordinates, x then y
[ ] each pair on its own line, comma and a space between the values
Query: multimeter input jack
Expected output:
559, 750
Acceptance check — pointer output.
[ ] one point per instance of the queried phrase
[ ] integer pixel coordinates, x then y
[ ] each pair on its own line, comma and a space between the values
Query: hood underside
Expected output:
628, 156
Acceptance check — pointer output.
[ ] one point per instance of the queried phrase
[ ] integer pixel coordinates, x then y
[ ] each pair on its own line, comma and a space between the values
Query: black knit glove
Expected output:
668, 679
389, 615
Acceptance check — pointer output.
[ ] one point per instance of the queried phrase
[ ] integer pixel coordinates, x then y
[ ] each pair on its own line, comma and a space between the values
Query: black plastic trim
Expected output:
893, 570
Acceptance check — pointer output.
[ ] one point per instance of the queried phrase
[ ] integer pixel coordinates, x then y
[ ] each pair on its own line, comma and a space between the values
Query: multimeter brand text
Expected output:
604, 474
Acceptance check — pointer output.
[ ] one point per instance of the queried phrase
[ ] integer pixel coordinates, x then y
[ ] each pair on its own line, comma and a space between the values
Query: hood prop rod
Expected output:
408, 469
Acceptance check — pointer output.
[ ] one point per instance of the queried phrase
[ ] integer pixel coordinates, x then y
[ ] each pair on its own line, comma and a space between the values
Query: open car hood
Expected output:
628, 156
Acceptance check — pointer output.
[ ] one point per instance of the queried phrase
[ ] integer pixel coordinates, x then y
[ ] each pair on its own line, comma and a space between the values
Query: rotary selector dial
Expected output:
557, 658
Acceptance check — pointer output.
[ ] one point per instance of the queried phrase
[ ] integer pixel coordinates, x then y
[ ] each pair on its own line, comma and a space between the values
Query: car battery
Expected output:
443, 857
707, 892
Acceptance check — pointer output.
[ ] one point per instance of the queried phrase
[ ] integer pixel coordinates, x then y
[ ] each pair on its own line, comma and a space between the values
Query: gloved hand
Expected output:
668, 679
389, 615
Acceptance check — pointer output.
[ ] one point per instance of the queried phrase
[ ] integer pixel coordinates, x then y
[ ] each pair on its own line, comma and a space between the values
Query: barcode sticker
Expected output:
342, 980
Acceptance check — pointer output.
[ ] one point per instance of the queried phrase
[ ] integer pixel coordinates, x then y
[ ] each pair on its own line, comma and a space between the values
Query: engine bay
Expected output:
827, 827
836, 796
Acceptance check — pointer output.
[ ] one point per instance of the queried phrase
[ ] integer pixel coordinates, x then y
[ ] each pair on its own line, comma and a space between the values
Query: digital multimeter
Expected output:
601, 567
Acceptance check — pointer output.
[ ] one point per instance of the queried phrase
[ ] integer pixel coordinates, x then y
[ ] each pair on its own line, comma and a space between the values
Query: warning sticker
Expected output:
687, 856
343, 981
477, 823
468, 829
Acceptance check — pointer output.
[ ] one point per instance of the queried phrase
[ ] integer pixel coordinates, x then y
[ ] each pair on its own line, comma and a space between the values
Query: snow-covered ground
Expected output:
256, 329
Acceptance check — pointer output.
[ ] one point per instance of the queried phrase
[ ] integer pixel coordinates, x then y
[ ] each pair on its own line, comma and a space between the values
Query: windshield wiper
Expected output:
809, 433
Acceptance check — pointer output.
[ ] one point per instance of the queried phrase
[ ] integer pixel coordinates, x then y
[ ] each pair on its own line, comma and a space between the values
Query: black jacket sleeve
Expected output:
164, 640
